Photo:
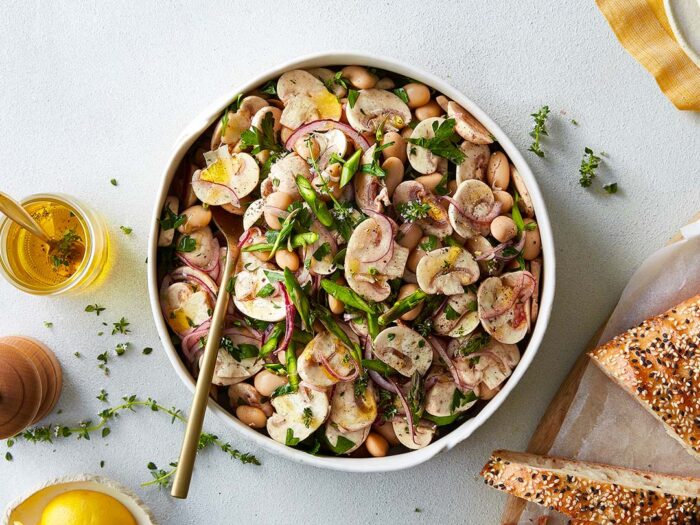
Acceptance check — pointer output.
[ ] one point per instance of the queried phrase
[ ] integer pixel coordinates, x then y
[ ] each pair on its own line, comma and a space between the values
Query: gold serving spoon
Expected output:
230, 226
19, 215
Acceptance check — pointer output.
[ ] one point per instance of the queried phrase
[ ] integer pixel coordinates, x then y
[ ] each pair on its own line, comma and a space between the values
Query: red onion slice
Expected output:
244, 238
407, 410
326, 125
521, 292
201, 186
190, 341
289, 322
386, 232
186, 258
461, 385
497, 251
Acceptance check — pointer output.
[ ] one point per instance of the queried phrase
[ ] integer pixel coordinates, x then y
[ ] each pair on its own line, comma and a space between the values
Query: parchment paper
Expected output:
604, 423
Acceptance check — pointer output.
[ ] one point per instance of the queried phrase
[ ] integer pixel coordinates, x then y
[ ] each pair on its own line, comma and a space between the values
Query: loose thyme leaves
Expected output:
127, 230
65, 248
147, 350
95, 308
413, 211
121, 348
102, 396
589, 165
113, 182
48, 324
538, 130
120, 327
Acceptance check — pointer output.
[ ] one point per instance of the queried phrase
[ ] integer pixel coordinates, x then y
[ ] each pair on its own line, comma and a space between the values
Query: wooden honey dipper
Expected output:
30, 383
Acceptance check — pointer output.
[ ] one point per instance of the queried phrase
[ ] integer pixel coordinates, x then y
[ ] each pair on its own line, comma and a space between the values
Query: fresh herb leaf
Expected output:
401, 93
459, 399
475, 343
172, 220
266, 291
263, 138
290, 440
589, 165
430, 244
147, 350
121, 348
538, 130
95, 308
307, 417
444, 144
127, 230
65, 249
102, 396
322, 251
450, 313
610, 188
120, 327
352, 97
186, 244
240, 352
516, 215
270, 88
413, 211
48, 324
113, 182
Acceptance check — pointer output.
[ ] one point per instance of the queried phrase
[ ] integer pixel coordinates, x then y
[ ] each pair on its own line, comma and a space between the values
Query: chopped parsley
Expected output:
270, 88
186, 244
430, 244
262, 138
475, 343
451, 314
445, 143
307, 417
401, 93
266, 291
352, 97
172, 220
290, 440
240, 352
322, 251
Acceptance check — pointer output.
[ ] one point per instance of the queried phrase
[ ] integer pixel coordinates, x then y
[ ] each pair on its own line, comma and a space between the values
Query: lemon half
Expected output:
86, 507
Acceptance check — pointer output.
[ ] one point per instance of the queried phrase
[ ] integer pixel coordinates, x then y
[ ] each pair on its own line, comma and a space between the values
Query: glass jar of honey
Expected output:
78, 256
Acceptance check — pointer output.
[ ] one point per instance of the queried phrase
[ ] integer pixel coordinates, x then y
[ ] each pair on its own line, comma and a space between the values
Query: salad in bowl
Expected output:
390, 261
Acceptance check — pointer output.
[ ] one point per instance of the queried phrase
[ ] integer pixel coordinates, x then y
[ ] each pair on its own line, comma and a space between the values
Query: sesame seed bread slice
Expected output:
594, 492
658, 363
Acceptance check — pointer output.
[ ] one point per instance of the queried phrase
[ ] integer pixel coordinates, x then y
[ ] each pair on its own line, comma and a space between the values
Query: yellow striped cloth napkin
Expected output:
643, 29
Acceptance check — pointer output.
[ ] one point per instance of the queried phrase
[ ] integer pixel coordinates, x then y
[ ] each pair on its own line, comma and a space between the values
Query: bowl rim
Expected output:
460, 433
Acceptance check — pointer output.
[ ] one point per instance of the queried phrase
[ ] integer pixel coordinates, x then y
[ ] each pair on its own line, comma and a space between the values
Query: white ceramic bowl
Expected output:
406, 459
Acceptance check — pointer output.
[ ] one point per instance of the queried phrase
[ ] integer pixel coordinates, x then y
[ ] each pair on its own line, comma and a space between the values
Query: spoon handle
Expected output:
18, 214
183, 475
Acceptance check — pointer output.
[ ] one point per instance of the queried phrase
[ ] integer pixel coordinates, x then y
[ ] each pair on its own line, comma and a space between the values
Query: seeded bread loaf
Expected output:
658, 363
593, 492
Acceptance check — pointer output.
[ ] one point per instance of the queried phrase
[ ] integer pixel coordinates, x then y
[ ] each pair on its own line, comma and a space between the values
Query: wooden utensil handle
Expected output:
183, 475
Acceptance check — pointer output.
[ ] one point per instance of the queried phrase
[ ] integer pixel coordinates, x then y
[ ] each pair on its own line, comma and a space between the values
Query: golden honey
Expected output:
75, 258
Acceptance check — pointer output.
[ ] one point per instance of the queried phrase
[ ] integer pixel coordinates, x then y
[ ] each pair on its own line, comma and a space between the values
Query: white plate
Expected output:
27, 509
684, 17
398, 461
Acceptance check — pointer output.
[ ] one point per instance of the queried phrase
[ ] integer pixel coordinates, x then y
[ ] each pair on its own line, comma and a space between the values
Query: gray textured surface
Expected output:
88, 94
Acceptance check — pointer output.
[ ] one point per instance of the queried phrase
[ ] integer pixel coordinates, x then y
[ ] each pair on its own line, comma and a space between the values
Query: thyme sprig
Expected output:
538, 130
86, 429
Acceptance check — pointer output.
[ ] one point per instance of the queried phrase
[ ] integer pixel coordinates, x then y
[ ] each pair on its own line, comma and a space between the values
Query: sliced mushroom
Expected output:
325, 347
236, 122
327, 76
253, 214
467, 126
248, 301
305, 99
276, 113
475, 164
351, 411
501, 305
378, 107
446, 271
321, 263
227, 178
344, 442
322, 146
206, 249
436, 220
297, 83
403, 349
228, 369
525, 202
283, 174
440, 398
479, 245
422, 159
424, 432
496, 362
459, 317
474, 210
185, 306
165, 237
373, 258
297, 415
371, 192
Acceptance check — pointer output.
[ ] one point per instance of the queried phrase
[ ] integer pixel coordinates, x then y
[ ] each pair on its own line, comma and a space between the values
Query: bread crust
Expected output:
658, 363
594, 492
